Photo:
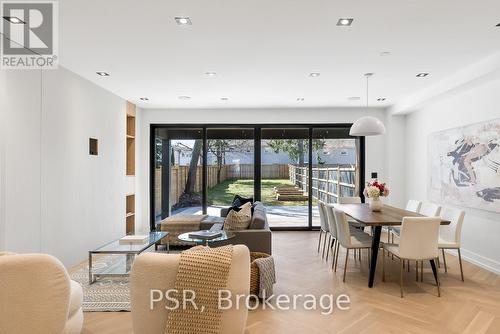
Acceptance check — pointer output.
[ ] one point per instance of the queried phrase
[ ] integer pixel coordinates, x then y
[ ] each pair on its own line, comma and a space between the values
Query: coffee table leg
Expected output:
375, 246
91, 278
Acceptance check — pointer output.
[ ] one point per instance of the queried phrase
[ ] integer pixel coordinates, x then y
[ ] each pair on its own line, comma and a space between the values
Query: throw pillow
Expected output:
239, 220
239, 200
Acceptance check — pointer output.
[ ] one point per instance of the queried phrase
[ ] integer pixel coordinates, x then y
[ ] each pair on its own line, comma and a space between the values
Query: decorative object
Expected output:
367, 125
464, 166
254, 271
374, 190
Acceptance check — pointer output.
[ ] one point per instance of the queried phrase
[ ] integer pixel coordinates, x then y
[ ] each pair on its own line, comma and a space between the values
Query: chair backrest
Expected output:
349, 200
343, 232
34, 294
452, 233
419, 238
323, 219
430, 209
158, 271
413, 205
332, 224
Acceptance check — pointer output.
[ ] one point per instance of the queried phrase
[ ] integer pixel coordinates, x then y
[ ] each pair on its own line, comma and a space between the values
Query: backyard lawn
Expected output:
223, 193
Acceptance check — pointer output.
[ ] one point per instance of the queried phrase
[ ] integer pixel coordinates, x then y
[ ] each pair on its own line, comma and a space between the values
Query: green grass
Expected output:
223, 193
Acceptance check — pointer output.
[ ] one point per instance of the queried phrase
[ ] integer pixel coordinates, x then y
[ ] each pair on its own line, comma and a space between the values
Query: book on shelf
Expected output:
205, 235
134, 239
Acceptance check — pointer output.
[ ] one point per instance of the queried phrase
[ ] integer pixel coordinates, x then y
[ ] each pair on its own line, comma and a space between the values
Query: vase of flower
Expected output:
376, 204
373, 191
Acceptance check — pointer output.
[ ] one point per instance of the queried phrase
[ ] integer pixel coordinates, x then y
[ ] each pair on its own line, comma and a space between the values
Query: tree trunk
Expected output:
193, 167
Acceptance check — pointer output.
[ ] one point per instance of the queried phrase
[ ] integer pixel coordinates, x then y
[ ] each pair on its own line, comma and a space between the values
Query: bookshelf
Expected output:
130, 166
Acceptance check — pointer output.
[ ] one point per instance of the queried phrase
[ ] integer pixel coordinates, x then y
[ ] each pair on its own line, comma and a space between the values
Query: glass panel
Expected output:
230, 167
178, 172
335, 166
284, 172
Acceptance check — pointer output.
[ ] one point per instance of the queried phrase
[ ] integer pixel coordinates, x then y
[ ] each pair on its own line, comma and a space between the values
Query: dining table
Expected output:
387, 217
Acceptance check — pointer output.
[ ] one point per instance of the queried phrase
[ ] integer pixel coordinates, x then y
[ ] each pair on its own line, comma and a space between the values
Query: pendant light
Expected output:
367, 125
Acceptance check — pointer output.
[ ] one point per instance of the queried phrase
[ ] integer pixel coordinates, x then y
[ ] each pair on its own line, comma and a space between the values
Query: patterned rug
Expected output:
105, 294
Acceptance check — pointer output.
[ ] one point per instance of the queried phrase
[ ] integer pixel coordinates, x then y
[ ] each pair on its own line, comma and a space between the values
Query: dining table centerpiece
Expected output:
373, 191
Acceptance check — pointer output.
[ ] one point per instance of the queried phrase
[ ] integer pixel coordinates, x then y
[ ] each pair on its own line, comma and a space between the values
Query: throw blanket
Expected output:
267, 276
204, 270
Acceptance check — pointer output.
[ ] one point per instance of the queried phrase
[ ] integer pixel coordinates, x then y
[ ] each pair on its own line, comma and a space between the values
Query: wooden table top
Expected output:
389, 216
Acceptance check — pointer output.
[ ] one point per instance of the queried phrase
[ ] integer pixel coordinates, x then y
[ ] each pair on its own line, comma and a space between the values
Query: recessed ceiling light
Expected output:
314, 74
300, 99
354, 98
385, 53
14, 20
184, 97
422, 75
143, 99
381, 99
102, 74
345, 22
183, 21
224, 98
211, 74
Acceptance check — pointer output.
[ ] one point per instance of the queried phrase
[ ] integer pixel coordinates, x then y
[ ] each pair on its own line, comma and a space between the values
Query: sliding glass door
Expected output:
230, 166
199, 169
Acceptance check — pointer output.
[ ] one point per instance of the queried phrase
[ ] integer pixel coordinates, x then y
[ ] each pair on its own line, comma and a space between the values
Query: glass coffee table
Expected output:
129, 250
207, 242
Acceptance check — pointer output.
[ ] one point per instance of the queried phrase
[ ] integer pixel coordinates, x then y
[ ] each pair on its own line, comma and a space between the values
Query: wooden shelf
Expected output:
130, 214
130, 137
130, 166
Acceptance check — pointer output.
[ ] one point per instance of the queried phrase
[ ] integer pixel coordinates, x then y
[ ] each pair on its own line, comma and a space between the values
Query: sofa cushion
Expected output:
239, 220
258, 218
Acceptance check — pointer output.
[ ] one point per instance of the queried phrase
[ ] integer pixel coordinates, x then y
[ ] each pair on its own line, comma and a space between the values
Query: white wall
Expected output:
473, 103
377, 156
59, 199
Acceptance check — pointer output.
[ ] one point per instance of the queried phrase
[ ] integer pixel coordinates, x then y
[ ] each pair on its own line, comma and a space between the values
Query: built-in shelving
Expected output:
130, 214
130, 166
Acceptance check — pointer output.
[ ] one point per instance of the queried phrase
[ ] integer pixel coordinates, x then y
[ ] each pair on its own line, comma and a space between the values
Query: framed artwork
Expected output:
464, 166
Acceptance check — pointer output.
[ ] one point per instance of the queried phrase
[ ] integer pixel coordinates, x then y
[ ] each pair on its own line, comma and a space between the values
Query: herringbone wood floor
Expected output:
470, 307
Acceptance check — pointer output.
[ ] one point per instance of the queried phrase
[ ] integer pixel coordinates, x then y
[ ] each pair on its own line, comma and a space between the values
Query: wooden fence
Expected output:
178, 178
328, 182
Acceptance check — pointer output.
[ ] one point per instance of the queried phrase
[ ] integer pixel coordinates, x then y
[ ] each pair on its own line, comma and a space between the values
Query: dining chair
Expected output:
413, 206
323, 227
418, 242
357, 241
450, 235
430, 209
352, 200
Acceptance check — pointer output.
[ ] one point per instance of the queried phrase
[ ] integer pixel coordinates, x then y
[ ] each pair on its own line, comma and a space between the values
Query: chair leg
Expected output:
383, 264
460, 261
416, 270
324, 245
392, 241
337, 256
408, 265
345, 265
334, 251
421, 271
329, 246
438, 262
319, 241
444, 262
401, 269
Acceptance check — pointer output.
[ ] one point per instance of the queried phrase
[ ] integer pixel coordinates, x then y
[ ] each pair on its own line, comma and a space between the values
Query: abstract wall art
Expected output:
464, 166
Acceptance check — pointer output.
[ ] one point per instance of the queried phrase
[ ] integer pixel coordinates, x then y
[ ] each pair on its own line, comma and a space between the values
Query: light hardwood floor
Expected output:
470, 307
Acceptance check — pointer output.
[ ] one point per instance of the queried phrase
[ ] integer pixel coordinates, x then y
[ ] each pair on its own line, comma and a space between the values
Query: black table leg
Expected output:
434, 270
375, 246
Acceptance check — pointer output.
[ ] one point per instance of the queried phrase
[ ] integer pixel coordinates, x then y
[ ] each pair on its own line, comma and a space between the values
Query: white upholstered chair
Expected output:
450, 235
347, 240
413, 206
418, 242
351, 200
430, 209
324, 229
159, 271
37, 296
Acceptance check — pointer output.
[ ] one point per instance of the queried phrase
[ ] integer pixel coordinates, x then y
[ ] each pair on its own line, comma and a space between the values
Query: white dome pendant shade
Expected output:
367, 126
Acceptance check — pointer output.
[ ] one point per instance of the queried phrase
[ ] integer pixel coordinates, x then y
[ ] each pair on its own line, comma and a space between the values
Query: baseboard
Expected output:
479, 260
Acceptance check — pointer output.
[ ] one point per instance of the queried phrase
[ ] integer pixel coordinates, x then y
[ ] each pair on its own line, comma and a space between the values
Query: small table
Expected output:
130, 250
225, 236
389, 216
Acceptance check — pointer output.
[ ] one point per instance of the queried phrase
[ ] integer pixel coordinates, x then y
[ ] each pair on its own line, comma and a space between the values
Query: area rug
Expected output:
105, 294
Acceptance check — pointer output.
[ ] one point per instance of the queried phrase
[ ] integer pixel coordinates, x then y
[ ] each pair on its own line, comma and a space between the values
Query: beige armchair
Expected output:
158, 271
37, 296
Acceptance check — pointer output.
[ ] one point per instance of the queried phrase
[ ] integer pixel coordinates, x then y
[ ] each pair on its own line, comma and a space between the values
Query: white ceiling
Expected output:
263, 51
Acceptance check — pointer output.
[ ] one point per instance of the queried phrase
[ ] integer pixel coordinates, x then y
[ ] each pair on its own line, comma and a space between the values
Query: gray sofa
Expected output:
258, 236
